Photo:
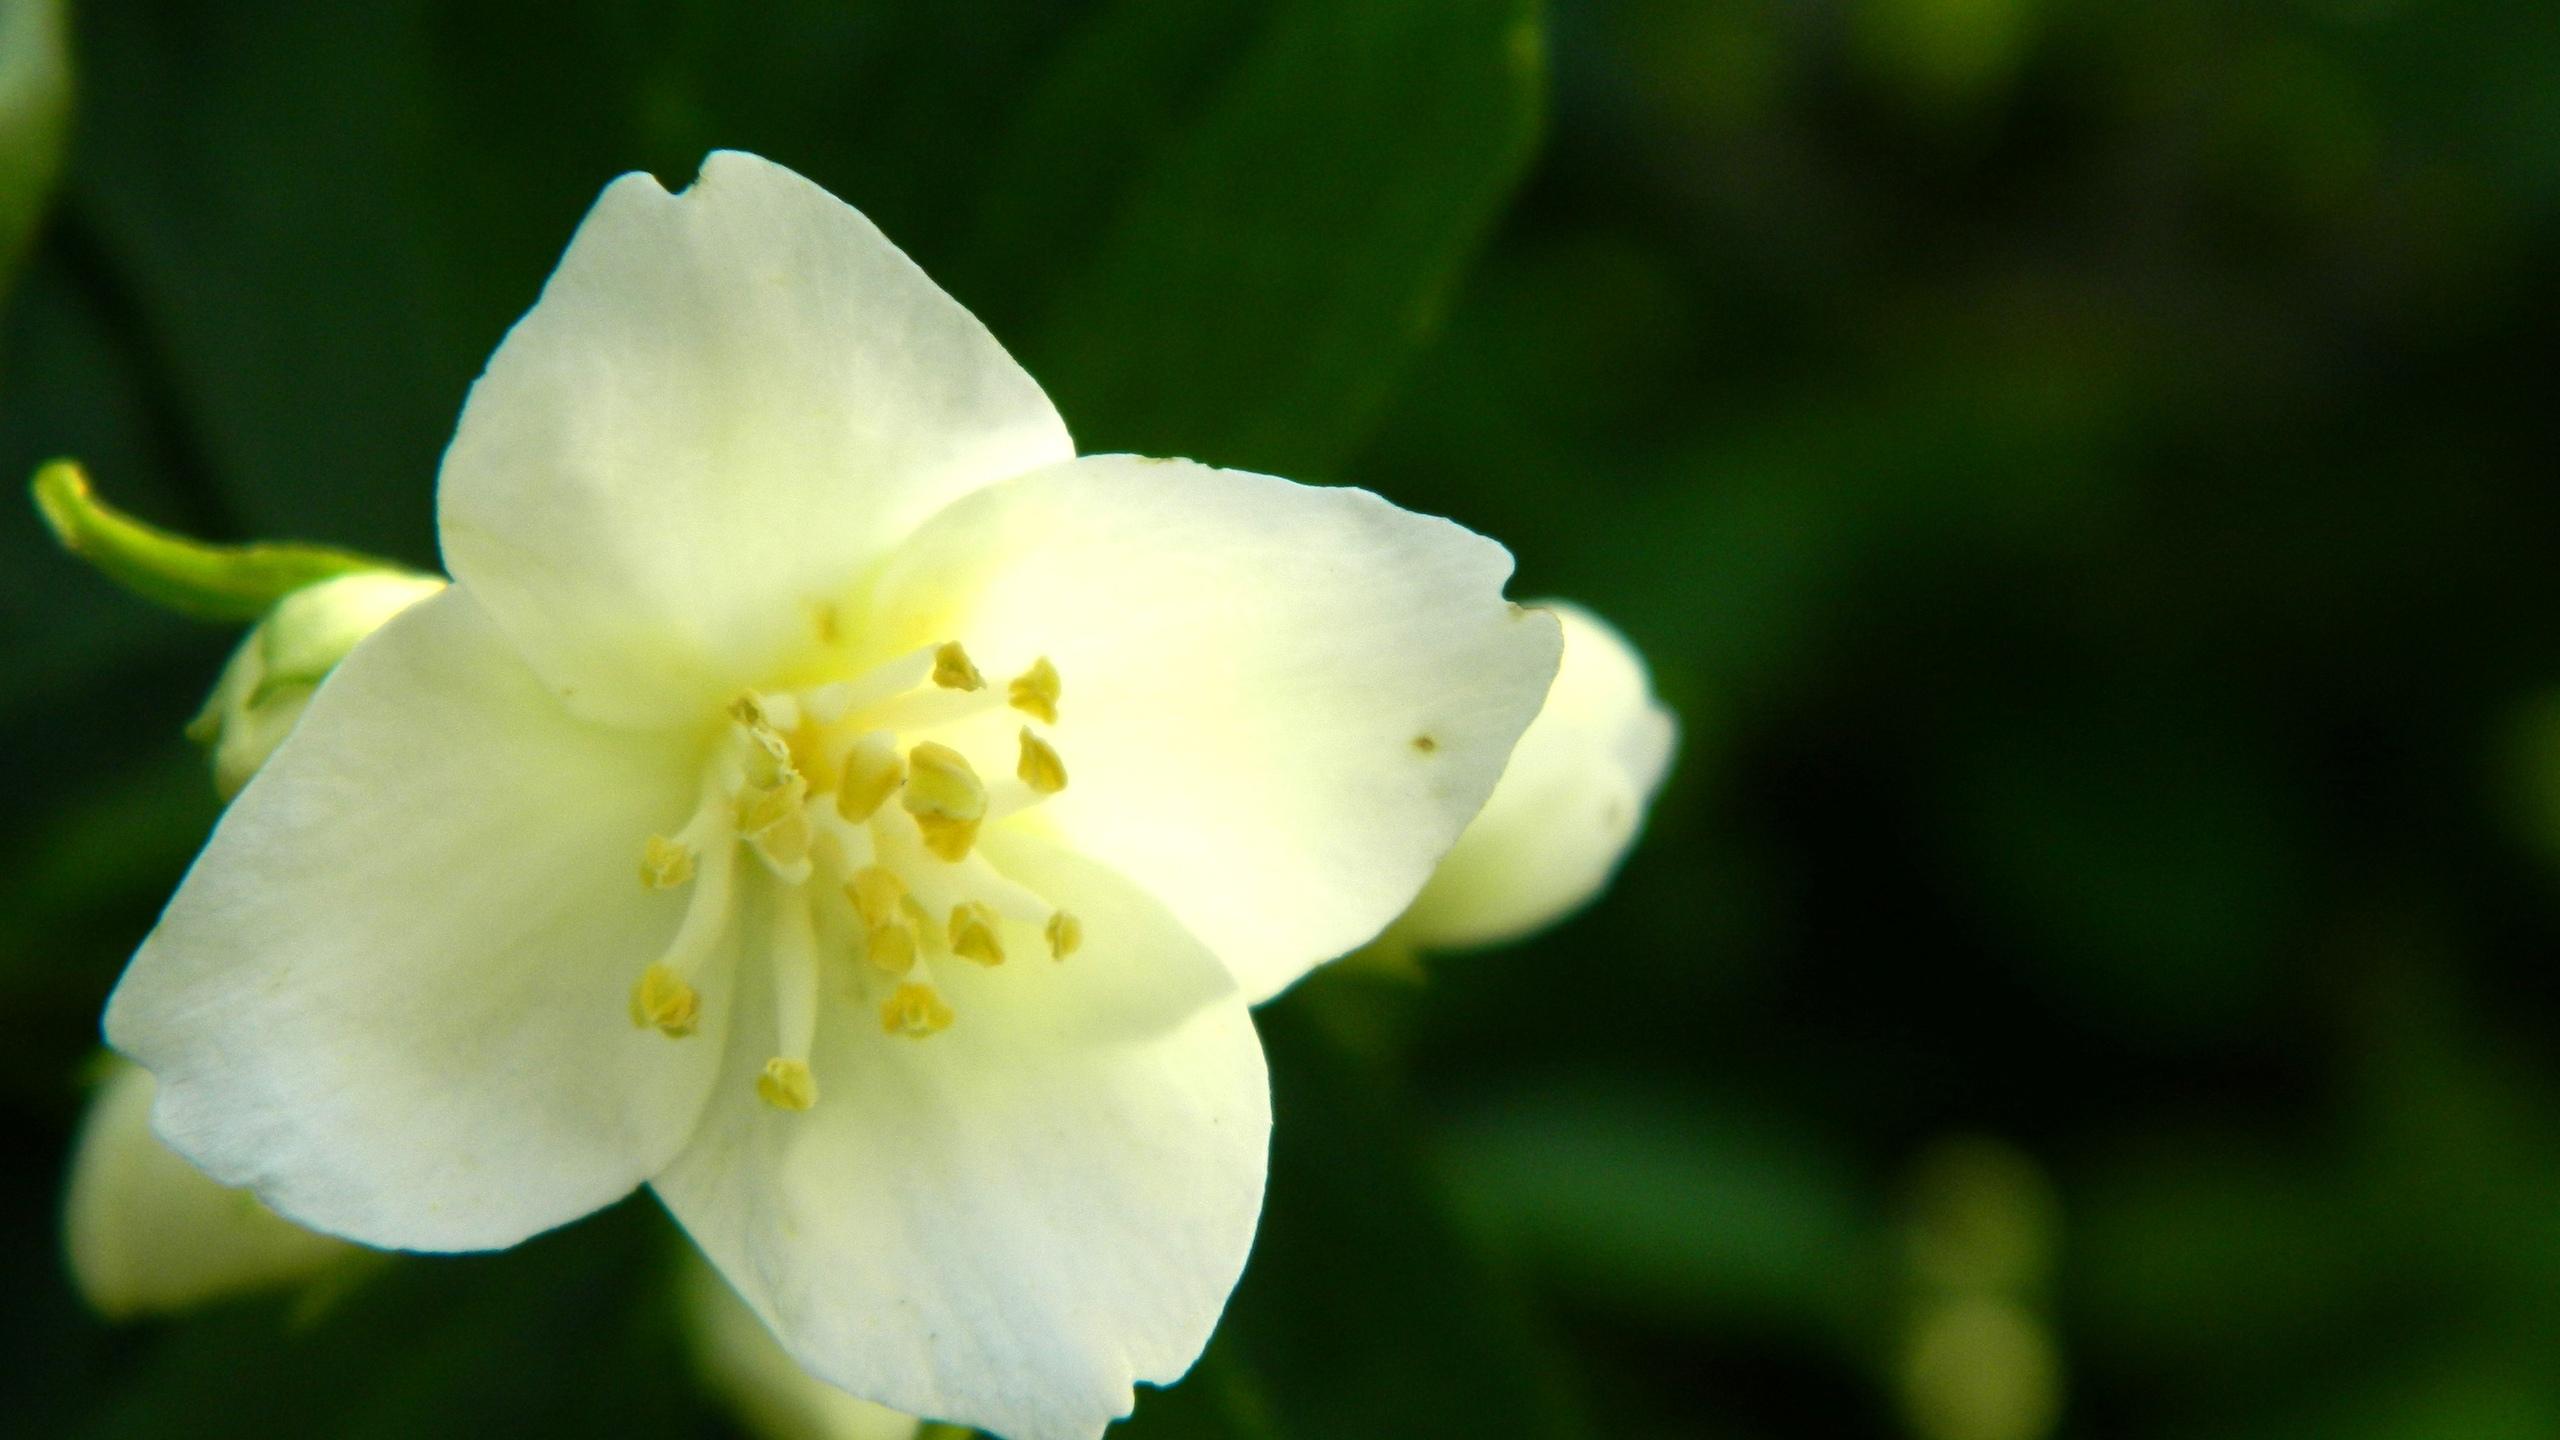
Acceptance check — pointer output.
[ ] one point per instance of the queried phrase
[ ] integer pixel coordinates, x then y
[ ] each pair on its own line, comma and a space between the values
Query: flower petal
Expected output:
1569, 804
147, 1233
392, 994
766, 1389
1281, 703
1007, 1223
726, 403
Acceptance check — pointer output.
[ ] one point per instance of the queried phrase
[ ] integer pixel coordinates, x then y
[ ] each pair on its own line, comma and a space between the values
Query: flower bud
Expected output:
285, 657
1568, 806
147, 1233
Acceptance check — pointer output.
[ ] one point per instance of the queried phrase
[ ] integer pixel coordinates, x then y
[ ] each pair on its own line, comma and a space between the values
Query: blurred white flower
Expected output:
824, 798
1570, 803
147, 1233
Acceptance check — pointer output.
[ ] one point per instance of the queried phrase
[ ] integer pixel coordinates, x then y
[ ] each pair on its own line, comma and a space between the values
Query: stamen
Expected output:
946, 798
1065, 935
891, 948
776, 823
664, 993
779, 713
914, 1010
837, 845
896, 677
875, 891
787, 1084
953, 670
1034, 692
763, 807
973, 933
766, 765
1040, 768
663, 1002
872, 769
665, 863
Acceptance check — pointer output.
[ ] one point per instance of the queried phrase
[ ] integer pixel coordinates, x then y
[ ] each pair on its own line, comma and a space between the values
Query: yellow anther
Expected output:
665, 863
812, 759
785, 844
1040, 767
947, 838
776, 822
914, 1009
954, 670
891, 948
973, 933
1034, 692
946, 798
1066, 935
747, 711
760, 808
873, 769
662, 1001
876, 891
787, 1084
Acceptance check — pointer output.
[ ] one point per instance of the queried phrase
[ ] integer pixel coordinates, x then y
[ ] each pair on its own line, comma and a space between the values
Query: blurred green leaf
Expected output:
2210, 1262
35, 119
569, 1333
1365, 1310
1633, 1200
1283, 257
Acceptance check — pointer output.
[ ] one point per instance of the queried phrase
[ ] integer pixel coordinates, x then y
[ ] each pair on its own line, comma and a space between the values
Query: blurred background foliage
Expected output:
2085, 473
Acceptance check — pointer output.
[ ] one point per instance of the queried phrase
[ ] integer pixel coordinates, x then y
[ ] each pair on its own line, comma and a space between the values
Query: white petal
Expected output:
1569, 804
148, 1233
1008, 1223
770, 1393
392, 994
1282, 702
727, 402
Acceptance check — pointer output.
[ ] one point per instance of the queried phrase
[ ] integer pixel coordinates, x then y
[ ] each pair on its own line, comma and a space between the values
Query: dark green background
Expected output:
2085, 474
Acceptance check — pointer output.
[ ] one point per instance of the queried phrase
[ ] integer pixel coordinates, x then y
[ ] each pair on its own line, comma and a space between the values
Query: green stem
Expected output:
235, 583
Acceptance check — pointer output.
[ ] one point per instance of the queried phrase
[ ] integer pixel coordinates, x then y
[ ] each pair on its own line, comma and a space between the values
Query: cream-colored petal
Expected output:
1569, 805
1007, 1223
392, 995
147, 1233
1280, 703
727, 402
767, 1390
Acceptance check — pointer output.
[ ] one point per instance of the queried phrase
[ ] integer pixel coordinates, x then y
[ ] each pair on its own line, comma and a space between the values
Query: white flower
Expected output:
1569, 805
148, 1234
932, 799
285, 657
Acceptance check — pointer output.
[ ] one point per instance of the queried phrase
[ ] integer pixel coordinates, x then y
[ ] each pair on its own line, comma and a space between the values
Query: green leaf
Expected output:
1366, 1310
1271, 273
210, 582
568, 1334
1645, 1204
35, 115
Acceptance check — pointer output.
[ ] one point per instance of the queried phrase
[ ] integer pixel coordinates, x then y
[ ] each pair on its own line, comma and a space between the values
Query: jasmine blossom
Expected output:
824, 798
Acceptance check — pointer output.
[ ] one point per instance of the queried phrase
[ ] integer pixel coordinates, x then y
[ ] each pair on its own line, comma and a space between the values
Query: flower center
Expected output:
868, 826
